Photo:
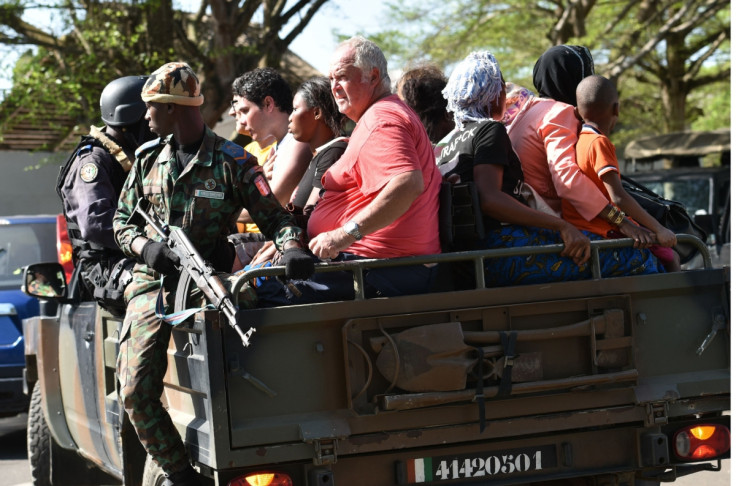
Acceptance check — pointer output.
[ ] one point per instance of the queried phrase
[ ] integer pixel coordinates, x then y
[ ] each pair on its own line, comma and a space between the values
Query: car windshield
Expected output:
21, 245
693, 193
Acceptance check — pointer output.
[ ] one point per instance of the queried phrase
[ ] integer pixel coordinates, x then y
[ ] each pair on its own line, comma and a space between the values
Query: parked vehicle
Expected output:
678, 150
614, 380
23, 240
692, 168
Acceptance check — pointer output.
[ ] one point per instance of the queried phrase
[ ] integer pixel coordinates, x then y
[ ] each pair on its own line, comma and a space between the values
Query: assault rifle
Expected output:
192, 262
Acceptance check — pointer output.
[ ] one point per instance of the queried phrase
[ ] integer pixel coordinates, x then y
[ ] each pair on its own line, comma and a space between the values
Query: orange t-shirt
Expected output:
596, 156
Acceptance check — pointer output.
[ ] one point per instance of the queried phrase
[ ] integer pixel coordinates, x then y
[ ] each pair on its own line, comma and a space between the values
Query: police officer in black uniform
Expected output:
89, 185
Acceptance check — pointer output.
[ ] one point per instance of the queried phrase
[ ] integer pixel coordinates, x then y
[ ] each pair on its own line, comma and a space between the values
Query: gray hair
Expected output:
368, 56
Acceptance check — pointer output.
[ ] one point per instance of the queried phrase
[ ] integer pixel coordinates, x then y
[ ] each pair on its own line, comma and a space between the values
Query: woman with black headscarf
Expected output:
543, 132
559, 70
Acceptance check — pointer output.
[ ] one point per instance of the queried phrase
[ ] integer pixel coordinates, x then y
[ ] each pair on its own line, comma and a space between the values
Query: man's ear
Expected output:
375, 77
615, 109
268, 104
577, 114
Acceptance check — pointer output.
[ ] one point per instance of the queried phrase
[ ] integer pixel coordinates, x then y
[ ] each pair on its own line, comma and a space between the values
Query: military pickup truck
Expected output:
615, 381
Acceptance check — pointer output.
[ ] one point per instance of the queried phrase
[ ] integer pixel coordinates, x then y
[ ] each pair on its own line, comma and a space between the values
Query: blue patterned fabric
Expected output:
545, 268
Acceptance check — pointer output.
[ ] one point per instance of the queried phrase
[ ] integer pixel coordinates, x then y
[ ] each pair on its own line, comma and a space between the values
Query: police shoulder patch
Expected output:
235, 151
147, 146
88, 172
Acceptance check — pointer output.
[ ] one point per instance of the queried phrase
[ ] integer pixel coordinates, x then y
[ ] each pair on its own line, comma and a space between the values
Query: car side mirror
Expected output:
44, 280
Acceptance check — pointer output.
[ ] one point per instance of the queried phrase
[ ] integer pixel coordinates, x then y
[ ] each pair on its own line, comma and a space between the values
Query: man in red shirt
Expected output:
381, 197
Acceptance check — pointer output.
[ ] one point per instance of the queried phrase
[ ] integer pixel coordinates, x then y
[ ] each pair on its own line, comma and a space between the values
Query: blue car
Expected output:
23, 240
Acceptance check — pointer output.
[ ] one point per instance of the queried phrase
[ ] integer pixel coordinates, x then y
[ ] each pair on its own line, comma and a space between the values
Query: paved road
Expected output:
13, 455
14, 469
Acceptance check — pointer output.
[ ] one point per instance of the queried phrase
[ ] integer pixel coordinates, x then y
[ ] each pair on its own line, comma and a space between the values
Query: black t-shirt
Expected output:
484, 142
317, 167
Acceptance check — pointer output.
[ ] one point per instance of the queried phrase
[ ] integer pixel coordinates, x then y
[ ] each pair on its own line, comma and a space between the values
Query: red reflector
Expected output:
64, 247
704, 452
262, 478
702, 442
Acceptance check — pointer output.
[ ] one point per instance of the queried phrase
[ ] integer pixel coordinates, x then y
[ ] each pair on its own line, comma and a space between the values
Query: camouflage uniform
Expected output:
204, 201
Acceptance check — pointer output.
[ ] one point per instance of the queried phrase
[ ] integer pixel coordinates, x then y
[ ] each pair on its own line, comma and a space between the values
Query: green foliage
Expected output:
444, 32
108, 43
640, 112
654, 78
715, 103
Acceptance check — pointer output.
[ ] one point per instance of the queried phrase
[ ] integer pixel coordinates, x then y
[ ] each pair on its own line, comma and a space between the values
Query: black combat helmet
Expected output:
120, 102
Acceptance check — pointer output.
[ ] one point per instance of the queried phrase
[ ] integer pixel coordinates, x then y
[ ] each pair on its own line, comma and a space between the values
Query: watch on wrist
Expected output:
352, 228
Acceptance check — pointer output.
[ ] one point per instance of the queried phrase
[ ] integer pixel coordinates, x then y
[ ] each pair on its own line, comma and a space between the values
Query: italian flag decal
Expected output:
419, 470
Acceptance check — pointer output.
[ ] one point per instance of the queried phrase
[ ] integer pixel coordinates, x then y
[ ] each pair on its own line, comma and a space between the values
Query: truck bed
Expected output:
308, 397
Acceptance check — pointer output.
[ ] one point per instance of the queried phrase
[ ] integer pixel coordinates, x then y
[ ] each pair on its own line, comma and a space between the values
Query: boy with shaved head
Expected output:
597, 105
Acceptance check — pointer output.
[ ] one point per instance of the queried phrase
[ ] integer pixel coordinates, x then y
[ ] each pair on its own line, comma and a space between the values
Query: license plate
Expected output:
483, 465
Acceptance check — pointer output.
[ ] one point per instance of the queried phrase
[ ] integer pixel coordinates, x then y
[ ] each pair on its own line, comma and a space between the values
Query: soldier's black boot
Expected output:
186, 477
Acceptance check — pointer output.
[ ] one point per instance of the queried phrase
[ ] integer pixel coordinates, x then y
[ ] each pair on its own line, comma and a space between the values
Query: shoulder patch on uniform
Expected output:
235, 151
262, 185
147, 146
88, 172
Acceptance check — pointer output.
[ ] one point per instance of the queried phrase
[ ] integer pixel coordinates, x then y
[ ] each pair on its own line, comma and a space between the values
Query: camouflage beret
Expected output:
175, 83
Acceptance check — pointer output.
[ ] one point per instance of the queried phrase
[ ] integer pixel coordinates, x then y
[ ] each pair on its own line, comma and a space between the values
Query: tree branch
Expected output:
304, 21
29, 33
721, 75
622, 14
694, 68
296, 8
555, 35
245, 15
699, 15
623, 62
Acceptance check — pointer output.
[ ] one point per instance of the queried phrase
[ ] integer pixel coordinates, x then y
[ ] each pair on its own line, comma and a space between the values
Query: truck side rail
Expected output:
476, 256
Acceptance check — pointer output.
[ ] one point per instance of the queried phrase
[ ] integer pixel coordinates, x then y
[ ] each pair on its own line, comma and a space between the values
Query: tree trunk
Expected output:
160, 19
673, 88
220, 68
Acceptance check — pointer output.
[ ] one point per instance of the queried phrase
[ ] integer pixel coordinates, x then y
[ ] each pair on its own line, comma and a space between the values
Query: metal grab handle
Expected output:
477, 256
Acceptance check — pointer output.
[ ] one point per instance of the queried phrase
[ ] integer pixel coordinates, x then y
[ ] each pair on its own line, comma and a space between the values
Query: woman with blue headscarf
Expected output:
479, 151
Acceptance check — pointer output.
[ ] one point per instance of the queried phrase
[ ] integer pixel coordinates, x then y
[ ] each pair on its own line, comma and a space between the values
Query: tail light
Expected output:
262, 478
702, 442
64, 247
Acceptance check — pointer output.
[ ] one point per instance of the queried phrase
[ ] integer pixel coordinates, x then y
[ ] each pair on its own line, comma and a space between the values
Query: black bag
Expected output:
107, 284
670, 214
460, 217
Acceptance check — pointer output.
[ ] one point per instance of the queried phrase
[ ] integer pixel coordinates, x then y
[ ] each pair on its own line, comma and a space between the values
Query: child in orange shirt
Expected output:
597, 105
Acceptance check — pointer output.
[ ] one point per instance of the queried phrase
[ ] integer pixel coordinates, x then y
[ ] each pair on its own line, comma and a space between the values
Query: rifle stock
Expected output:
192, 262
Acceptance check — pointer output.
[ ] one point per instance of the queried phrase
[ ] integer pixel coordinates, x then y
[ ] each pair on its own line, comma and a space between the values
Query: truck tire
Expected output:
39, 441
153, 475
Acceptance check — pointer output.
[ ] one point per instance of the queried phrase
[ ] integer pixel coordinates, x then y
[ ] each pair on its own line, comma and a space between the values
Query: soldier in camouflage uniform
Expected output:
199, 182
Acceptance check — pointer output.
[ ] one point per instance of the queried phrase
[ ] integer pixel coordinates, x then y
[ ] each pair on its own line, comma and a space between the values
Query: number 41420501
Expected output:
490, 466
